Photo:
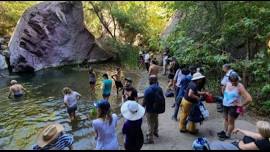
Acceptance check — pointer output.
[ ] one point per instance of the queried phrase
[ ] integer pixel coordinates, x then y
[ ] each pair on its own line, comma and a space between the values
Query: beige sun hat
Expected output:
197, 76
48, 134
131, 110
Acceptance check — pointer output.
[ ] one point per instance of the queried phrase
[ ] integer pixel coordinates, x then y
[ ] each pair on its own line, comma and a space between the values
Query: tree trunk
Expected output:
101, 19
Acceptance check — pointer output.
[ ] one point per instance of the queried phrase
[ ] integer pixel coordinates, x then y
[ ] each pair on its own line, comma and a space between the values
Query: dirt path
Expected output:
169, 136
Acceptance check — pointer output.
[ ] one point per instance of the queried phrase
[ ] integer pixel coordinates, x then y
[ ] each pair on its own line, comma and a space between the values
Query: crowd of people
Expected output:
188, 85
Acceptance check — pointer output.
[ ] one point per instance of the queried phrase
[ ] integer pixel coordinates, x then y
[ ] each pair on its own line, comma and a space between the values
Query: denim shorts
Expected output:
71, 109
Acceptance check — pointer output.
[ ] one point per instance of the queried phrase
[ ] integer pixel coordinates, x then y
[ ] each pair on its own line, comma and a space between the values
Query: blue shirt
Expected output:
107, 86
149, 95
231, 95
60, 143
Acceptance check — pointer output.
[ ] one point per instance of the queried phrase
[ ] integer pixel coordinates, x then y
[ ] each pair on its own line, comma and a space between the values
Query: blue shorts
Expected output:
71, 109
18, 95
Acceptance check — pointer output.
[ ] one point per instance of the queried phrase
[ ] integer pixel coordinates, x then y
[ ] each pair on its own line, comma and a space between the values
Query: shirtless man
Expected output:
16, 89
117, 79
153, 69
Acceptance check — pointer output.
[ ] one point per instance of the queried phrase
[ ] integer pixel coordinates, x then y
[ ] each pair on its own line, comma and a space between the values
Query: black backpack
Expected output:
158, 101
195, 114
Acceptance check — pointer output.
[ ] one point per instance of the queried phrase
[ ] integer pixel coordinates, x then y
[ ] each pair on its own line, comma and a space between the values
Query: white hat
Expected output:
197, 76
131, 110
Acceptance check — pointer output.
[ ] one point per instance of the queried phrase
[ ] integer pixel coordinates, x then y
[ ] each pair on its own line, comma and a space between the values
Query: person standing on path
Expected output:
179, 75
192, 96
171, 74
92, 79
165, 60
70, 100
16, 89
133, 113
150, 100
53, 137
106, 86
117, 79
154, 68
232, 104
129, 92
147, 60
228, 70
105, 127
185, 79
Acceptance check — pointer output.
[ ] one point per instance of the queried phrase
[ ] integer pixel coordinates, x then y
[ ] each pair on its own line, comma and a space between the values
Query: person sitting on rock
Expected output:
252, 140
16, 89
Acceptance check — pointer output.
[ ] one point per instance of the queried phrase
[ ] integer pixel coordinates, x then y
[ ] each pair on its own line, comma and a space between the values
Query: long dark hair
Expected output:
105, 115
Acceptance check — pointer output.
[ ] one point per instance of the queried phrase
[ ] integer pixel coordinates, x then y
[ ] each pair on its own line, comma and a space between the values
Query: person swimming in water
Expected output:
16, 89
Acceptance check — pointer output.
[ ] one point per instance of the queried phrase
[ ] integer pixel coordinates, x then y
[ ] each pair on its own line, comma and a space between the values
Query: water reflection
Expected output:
21, 120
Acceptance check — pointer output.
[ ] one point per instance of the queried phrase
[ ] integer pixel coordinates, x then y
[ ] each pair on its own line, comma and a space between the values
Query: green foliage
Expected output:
10, 12
266, 105
127, 54
266, 90
212, 33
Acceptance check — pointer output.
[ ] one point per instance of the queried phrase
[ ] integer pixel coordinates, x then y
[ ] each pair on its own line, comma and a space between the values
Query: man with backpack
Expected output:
154, 103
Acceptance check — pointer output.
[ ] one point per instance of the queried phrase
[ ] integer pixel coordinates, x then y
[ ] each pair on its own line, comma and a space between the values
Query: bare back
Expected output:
154, 70
16, 89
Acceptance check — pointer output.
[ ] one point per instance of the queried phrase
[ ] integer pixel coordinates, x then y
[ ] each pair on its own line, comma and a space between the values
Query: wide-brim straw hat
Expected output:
131, 110
48, 134
197, 76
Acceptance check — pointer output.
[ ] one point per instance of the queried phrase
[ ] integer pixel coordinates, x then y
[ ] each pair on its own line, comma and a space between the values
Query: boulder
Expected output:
51, 34
3, 64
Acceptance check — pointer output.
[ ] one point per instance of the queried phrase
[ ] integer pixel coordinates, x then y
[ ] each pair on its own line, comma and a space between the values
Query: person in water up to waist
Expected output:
16, 89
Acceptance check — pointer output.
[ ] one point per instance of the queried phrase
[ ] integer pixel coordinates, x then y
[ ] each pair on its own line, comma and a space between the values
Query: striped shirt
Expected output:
59, 143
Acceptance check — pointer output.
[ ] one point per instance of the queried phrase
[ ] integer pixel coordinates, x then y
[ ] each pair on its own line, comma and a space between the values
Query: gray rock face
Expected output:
3, 64
51, 34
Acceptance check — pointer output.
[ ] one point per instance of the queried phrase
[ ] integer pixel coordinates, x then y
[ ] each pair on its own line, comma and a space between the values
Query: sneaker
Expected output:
222, 133
195, 132
224, 137
183, 131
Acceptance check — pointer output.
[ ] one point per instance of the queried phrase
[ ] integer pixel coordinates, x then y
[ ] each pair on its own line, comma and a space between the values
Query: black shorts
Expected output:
118, 84
92, 82
71, 109
231, 111
170, 76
